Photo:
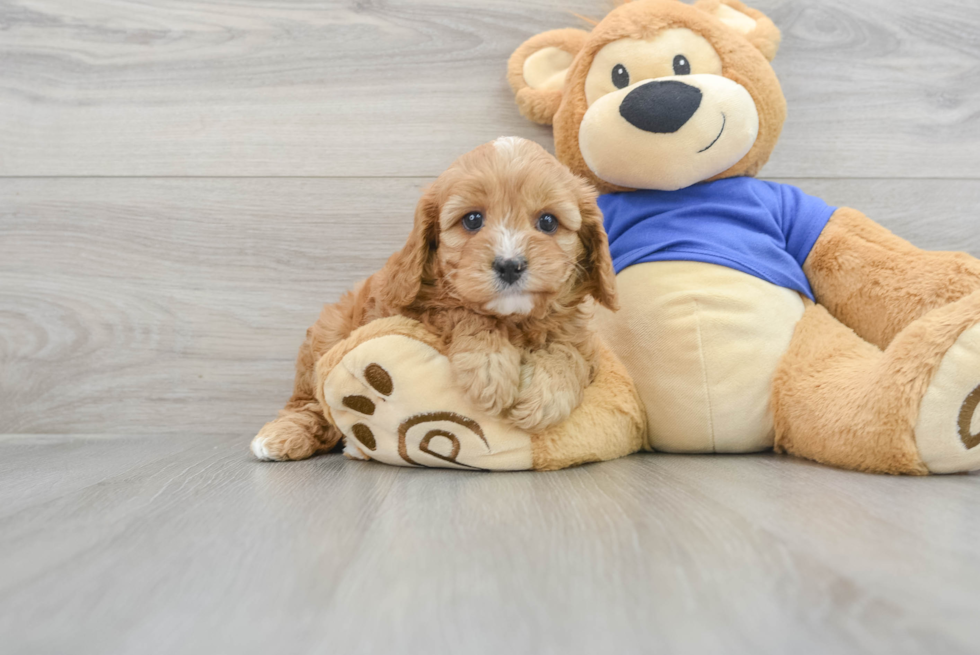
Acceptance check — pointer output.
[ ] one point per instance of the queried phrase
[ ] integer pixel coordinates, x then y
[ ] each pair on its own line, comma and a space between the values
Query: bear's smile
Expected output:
724, 120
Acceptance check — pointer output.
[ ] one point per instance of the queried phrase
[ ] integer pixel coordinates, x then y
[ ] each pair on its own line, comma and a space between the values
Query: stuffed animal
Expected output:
753, 315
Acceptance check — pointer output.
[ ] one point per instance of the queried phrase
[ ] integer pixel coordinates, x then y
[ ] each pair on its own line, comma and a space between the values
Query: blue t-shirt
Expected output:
761, 228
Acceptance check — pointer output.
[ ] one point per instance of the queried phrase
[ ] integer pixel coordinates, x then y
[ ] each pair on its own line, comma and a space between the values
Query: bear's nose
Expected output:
509, 270
660, 107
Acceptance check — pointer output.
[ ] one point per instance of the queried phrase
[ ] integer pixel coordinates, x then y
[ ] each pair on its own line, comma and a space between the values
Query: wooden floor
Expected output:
182, 544
182, 185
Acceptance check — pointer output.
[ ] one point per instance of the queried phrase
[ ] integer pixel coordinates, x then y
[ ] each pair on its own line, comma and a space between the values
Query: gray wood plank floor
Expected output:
182, 544
183, 184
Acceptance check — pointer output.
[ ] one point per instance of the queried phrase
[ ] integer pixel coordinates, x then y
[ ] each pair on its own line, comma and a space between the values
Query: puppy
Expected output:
505, 258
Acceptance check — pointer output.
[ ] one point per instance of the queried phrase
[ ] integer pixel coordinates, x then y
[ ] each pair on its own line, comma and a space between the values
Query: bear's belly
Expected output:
702, 343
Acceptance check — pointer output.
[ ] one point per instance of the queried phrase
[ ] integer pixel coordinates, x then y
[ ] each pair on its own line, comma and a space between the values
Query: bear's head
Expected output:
659, 95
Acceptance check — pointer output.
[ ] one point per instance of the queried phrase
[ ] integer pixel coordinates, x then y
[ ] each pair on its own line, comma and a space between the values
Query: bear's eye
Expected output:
681, 65
547, 223
620, 76
472, 221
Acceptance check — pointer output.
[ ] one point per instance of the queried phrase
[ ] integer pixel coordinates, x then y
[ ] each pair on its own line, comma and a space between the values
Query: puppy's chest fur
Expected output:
568, 325
525, 333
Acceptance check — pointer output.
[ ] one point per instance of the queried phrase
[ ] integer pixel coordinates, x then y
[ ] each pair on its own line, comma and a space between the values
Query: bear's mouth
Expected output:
724, 120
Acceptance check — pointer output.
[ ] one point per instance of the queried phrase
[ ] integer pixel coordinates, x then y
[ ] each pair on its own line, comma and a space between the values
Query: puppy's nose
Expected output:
660, 107
509, 270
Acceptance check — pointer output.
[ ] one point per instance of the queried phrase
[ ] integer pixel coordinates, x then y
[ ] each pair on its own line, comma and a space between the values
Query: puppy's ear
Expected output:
750, 23
405, 269
536, 71
598, 277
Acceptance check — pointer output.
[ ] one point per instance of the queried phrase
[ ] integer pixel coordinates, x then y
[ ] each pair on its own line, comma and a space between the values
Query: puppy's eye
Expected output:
620, 76
547, 223
473, 221
681, 65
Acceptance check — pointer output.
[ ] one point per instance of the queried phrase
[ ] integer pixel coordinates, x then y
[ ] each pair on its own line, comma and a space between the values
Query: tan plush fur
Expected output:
840, 400
529, 349
764, 35
878, 283
540, 106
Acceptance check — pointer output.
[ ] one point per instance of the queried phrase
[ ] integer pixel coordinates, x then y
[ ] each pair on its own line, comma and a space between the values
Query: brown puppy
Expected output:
506, 253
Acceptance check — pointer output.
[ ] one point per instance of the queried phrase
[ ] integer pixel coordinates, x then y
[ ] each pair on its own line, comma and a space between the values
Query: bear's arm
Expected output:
877, 283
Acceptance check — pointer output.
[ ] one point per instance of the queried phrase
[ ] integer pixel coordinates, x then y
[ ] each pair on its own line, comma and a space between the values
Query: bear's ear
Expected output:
536, 71
750, 23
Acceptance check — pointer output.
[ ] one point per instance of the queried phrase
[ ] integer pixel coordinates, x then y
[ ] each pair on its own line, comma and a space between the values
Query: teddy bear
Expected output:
753, 316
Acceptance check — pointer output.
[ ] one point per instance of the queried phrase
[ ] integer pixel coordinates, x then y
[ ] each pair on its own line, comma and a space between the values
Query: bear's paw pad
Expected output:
947, 430
394, 399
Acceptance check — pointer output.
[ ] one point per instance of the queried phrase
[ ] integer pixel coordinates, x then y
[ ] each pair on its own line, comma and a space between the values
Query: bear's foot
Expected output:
947, 432
395, 400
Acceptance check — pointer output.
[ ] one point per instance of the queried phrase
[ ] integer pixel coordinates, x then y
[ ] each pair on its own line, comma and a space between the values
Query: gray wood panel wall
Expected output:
183, 185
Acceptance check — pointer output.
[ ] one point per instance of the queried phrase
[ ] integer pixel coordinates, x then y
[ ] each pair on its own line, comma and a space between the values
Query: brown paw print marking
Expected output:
967, 410
432, 434
364, 435
431, 417
381, 382
361, 404
379, 379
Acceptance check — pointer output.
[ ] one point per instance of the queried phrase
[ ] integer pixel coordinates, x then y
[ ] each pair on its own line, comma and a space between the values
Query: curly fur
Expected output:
533, 363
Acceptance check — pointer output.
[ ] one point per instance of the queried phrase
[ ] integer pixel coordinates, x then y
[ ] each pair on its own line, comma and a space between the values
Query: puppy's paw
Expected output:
282, 440
490, 379
552, 385
543, 403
